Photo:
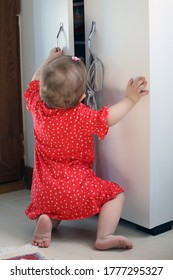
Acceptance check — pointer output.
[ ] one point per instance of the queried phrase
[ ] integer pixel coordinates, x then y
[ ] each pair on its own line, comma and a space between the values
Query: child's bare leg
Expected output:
43, 231
108, 220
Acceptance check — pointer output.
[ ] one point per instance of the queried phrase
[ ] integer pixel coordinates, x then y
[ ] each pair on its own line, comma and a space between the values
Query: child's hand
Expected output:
54, 53
136, 89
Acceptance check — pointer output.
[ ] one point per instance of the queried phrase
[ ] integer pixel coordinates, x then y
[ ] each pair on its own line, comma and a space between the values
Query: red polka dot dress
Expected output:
64, 186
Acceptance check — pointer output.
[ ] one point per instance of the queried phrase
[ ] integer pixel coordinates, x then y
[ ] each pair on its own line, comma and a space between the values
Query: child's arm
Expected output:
134, 91
54, 53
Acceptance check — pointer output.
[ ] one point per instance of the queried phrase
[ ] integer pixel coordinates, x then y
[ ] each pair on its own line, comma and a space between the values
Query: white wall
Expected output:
161, 66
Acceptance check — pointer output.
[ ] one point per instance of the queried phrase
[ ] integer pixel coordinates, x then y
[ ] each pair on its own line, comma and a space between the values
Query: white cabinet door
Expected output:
121, 41
40, 23
135, 38
48, 15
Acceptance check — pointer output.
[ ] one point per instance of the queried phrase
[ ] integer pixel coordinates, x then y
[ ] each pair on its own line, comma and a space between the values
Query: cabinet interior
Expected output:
79, 28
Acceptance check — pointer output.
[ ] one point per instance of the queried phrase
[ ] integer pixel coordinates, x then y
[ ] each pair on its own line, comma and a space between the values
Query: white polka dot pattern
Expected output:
64, 185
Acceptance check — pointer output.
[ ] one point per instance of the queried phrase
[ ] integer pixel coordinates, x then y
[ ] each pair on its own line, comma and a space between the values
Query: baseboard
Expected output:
11, 186
156, 230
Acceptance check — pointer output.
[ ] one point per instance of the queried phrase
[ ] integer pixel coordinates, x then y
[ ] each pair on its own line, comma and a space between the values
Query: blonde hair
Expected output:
63, 82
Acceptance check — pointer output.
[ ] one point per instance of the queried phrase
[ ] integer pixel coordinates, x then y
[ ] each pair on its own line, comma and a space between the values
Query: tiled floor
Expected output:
74, 240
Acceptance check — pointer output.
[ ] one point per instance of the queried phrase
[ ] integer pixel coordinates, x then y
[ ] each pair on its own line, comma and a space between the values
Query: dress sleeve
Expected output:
31, 94
95, 122
101, 127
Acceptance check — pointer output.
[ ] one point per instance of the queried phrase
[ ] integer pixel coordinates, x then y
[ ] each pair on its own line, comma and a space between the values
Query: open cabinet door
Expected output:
40, 24
50, 18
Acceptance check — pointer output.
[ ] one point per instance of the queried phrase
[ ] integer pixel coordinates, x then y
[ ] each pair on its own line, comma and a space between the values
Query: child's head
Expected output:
63, 82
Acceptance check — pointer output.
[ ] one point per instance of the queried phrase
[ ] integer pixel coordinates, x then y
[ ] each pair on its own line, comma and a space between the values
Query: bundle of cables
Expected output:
94, 74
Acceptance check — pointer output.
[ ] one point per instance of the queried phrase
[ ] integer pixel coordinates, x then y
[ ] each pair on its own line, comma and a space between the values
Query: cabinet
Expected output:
132, 38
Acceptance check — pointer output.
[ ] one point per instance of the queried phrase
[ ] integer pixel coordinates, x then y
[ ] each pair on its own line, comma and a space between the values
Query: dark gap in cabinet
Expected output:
79, 28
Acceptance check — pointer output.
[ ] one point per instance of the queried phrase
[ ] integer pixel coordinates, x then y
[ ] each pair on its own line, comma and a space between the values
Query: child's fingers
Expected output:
54, 53
130, 82
138, 79
54, 50
58, 49
139, 84
144, 92
141, 87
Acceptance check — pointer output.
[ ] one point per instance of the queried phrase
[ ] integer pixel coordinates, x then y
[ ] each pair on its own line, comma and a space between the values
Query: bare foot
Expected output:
43, 230
113, 241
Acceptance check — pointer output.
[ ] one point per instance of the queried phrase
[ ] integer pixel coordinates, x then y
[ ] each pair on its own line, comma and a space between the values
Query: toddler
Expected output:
64, 186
